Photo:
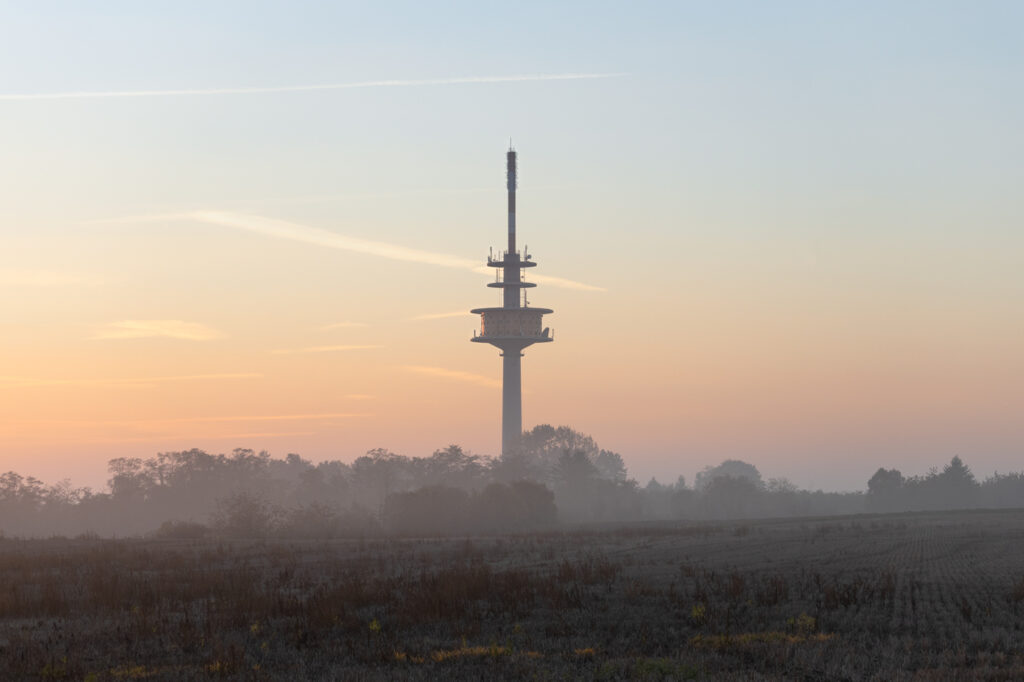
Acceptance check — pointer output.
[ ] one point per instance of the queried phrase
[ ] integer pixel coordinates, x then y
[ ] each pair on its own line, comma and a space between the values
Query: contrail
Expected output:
320, 237
283, 229
466, 80
315, 235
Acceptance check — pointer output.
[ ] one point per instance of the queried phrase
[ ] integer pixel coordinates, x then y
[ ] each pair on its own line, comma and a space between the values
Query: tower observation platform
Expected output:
513, 325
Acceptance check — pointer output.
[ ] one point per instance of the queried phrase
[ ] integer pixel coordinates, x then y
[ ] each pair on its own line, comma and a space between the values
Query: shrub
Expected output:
245, 515
181, 530
313, 521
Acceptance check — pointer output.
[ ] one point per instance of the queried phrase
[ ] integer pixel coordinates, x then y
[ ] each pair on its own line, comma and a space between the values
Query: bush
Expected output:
245, 515
313, 521
434, 510
181, 530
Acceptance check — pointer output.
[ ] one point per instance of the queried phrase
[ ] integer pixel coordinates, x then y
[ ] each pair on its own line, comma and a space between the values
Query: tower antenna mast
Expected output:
514, 325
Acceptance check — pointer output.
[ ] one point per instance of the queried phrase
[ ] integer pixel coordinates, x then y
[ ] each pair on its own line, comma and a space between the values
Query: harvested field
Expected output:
898, 597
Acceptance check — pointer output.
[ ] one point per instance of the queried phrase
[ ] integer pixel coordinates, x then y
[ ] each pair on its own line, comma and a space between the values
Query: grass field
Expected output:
899, 597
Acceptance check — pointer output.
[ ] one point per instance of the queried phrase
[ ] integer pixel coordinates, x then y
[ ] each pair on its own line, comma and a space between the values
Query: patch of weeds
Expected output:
55, 670
492, 651
663, 669
132, 672
802, 625
747, 639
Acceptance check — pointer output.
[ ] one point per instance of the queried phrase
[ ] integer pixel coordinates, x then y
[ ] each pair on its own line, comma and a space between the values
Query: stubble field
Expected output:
898, 597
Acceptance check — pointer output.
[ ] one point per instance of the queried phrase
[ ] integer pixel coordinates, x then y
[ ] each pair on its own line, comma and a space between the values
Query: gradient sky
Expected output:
788, 233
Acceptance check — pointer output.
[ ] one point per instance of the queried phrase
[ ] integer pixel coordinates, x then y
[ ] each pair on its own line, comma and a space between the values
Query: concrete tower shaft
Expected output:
514, 325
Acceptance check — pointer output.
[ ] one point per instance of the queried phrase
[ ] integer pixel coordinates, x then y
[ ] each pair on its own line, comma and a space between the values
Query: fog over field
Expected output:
926, 596
561, 479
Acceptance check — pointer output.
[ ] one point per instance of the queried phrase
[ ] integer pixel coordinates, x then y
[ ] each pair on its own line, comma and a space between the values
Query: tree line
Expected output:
560, 476
954, 487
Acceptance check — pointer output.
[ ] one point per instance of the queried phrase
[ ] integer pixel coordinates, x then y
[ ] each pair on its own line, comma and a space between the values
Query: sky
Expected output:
788, 233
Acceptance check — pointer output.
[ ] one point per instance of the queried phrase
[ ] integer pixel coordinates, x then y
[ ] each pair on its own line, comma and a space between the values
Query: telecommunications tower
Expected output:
513, 325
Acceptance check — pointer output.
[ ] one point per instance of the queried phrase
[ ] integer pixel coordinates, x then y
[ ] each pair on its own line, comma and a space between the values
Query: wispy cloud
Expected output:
272, 417
299, 199
453, 374
441, 316
559, 282
282, 229
344, 325
29, 382
322, 349
184, 420
192, 438
147, 329
21, 277
320, 237
398, 83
